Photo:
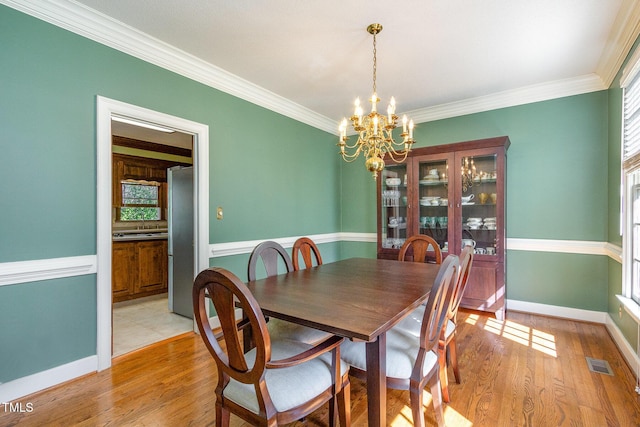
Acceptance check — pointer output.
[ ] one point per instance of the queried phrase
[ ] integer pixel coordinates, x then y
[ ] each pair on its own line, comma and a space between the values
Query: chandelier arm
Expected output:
398, 157
351, 157
355, 144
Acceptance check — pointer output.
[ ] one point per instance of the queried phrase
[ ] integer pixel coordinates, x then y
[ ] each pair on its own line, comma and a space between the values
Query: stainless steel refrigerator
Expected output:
181, 251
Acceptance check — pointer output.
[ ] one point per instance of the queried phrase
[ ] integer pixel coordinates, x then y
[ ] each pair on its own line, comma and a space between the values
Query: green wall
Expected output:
274, 176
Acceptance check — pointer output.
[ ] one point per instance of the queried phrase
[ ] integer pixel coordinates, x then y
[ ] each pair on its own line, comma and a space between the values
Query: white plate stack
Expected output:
474, 223
490, 223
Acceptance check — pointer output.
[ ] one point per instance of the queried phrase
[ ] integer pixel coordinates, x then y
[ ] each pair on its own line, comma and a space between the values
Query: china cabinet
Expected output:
454, 193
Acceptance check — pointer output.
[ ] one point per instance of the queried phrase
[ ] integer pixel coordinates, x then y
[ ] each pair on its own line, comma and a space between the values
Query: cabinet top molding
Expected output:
498, 141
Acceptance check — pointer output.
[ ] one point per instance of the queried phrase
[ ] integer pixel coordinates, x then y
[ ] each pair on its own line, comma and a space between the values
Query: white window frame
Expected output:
630, 172
631, 281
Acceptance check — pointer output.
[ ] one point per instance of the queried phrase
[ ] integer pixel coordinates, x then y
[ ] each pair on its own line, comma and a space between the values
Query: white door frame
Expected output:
106, 108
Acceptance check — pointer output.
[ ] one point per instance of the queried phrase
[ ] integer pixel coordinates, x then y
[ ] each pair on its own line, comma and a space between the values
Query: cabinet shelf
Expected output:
429, 182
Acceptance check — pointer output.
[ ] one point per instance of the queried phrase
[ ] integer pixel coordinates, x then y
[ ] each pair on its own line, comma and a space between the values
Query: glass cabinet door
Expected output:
433, 200
478, 178
393, 217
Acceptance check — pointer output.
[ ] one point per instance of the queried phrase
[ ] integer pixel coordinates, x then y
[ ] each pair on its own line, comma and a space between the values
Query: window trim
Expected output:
629, 167
629, 183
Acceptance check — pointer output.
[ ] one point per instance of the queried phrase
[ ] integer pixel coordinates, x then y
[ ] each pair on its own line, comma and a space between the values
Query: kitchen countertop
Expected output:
128, 235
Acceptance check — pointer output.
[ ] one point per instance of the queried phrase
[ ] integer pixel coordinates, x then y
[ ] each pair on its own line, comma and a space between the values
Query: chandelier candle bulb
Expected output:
404, 123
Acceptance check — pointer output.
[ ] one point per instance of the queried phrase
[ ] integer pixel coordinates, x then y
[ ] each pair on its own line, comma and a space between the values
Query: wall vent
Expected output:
599, 366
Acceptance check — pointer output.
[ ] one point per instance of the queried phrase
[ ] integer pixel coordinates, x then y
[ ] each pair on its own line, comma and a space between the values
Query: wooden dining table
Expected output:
357, 298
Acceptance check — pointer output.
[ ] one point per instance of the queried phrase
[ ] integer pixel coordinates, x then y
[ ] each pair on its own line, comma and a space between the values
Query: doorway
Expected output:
106, 110
145, 234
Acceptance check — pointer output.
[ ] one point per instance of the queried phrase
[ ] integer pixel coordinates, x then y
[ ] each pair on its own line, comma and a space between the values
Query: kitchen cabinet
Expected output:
139, 268
123, 272
454, 193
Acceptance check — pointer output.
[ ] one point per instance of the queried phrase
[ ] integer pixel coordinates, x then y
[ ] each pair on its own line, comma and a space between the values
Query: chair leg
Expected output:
344, 405
333, 411
415, 394
436, 397
452, 352
222, 416
444, 379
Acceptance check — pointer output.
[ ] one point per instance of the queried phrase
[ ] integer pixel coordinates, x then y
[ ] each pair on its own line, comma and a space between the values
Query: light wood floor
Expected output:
526, 371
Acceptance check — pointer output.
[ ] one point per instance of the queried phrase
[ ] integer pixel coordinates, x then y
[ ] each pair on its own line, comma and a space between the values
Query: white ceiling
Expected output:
431, 53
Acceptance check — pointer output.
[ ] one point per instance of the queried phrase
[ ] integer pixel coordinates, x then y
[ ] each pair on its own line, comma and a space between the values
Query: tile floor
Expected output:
144, 321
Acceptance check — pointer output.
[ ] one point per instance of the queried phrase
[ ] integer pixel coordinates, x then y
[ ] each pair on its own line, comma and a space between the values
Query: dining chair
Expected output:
412, 362
305, 247
271, 252
277, 382
447, 349
416, 249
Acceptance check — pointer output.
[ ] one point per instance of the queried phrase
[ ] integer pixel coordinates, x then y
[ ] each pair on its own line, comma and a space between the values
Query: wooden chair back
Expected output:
305, 247
226, 292
457, 291
435, 311
270, 252
416, 249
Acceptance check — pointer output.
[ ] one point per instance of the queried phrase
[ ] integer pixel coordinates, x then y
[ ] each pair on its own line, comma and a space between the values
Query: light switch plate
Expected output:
219, 213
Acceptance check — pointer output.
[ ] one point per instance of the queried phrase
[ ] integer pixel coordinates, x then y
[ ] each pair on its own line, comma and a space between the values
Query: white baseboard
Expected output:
39, 381
627, 351
558, 311
623, 345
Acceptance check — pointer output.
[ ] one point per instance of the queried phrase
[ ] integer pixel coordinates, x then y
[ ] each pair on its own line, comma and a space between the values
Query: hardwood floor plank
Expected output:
525, 371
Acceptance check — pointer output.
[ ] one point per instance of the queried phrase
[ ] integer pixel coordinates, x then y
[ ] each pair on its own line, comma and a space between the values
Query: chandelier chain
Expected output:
374, 64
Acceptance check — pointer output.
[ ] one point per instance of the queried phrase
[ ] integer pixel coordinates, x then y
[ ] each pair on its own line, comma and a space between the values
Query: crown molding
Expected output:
81, 20
510, 98
626, 31
103, 29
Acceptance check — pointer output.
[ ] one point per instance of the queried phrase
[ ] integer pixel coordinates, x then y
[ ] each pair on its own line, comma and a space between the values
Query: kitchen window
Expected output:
140, 201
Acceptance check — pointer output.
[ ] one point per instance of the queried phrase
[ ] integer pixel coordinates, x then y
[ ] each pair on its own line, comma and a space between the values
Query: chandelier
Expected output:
374, 130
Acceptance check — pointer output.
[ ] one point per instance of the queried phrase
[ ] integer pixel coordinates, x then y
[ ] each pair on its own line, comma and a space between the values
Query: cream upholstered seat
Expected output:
288, 387
412, 361
273, 254
275, 382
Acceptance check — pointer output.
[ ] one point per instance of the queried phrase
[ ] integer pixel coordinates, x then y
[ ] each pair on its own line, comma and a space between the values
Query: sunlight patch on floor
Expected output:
537, 340
472, 319
451, 416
